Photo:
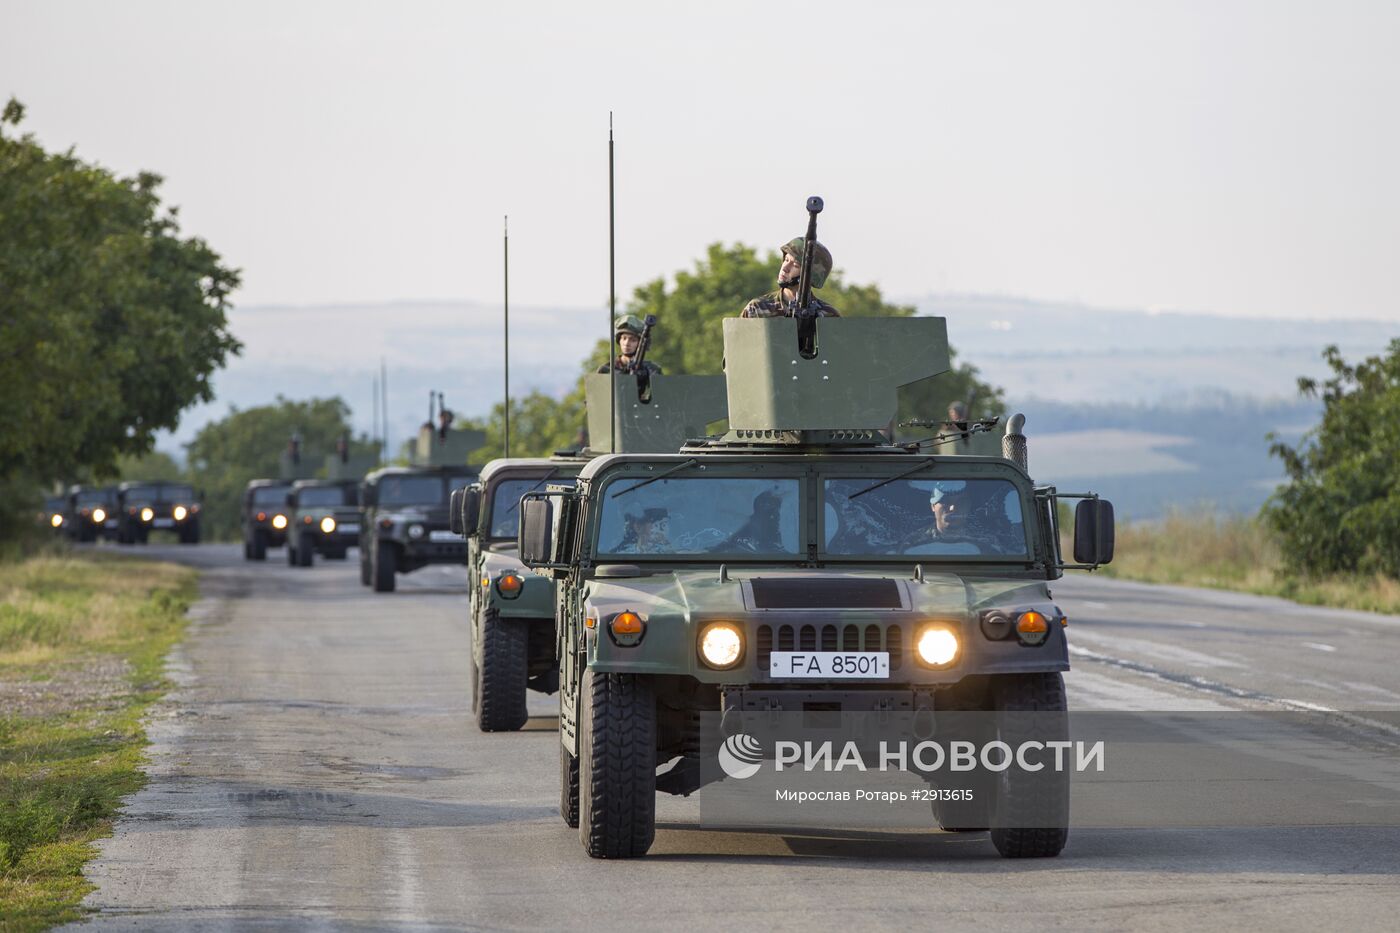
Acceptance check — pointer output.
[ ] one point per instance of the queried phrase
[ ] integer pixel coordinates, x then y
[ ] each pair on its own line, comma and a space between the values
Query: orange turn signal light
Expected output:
1032, 627
627, 623
262, 516
509, 584
306, 520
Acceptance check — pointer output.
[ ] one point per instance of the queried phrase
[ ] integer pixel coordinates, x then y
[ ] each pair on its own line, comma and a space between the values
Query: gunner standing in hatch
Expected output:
780, 303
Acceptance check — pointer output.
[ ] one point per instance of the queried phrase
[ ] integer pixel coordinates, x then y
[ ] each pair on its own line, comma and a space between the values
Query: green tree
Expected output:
111, 324
157, 466
539, 425
1340, 510
248, 444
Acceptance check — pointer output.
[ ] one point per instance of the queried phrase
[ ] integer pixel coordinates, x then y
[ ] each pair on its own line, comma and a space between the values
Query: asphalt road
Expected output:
318, 768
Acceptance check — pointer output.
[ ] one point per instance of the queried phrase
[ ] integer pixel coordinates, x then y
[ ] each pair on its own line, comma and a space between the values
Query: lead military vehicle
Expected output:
688, 582
323, 518
263, 515
512, 610
146, 507
90, 513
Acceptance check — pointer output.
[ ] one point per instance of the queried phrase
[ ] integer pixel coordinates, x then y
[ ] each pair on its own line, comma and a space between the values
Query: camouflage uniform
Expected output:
631, 369
773, 304
629, 325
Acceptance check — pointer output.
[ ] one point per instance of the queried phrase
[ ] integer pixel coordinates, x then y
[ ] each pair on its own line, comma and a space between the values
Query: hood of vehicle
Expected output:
785, 595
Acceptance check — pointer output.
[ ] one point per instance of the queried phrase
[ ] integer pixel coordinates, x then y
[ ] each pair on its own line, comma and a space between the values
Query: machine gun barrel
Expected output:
804, 282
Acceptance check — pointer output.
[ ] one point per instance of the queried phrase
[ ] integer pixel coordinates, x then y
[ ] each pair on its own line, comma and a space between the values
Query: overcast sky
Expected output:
1233, 157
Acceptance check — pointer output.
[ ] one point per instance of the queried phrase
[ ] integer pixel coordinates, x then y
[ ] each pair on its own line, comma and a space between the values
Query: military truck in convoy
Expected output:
690, 583
144, 507
512, 609
405, 525
90, 513
264, 516
323, 517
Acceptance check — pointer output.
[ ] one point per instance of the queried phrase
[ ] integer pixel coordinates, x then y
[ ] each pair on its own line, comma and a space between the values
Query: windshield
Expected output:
270, 495
974, 517
176, 493
701, 516
505, 502
140, 494
93, 497
322, 496
413, 490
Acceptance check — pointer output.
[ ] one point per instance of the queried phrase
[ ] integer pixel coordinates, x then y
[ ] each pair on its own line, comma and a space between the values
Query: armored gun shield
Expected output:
851, 383
353, 468
656, 415
433, 449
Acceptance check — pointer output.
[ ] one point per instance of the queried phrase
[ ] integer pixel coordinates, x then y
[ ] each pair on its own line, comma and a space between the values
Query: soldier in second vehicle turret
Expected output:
783, 302
627, 336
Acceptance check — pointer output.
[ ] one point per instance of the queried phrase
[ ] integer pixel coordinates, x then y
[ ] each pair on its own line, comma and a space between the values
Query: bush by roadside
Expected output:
82, 643
1202, 548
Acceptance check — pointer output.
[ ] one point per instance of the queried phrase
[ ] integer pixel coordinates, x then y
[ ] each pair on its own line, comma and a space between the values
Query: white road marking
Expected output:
1317, 646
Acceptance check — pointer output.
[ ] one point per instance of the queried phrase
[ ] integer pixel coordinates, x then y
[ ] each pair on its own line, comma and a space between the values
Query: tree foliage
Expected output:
1340, 510
248, 444
111, 324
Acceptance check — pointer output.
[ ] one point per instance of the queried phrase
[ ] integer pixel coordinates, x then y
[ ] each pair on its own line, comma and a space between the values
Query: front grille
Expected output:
828, 637
829, 593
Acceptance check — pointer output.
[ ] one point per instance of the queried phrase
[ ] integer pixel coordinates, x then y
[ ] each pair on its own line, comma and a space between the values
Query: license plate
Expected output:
441, 535
110, 523
163, 523
830, 665
348, 529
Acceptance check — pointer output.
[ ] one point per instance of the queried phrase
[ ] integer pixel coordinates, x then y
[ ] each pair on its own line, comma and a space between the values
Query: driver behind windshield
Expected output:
948, 515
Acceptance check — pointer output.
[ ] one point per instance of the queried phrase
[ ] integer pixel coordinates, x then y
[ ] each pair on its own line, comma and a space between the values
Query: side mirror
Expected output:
471, 509
1093, 531
368, 496
536, 531
454, 511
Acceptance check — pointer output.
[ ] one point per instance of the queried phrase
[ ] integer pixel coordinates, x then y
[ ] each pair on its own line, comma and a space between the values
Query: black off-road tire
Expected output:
247, 549
366, 571
1030, 810
501, 680
617, 765
306, 552
259, 546
568, 787
291, 552
385, 560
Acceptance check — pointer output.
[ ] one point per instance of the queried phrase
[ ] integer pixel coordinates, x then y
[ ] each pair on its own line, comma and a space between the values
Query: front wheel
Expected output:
501, 680
385, 565
259, 546
617, 765
1030, 810
306, 556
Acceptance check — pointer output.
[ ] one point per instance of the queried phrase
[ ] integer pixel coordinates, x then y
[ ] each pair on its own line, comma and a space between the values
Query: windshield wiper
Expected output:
662, 475
898, 476
543, 479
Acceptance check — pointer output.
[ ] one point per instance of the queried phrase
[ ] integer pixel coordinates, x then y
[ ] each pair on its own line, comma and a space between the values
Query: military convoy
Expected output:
688, 581
323, 517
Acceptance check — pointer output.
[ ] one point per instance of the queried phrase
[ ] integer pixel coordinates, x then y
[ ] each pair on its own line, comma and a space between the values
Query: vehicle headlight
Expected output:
56, 520
937, 646
99, 515
147, 514
415, 531
180, 513
327, 524
721, 645
279, 522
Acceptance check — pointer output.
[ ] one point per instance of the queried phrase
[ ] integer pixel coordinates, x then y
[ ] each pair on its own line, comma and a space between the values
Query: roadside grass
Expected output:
82, 645
1202, 548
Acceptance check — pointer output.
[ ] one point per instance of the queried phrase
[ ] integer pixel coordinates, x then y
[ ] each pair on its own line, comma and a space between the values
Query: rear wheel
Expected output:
1030, 810
617, 765
385, 565
501, 681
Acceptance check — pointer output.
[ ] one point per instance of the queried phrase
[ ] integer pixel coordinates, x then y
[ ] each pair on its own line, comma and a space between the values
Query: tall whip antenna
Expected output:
505, 248
612, 294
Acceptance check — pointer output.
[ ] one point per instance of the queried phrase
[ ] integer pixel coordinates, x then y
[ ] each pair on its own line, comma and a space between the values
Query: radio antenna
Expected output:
505, 250
612, 294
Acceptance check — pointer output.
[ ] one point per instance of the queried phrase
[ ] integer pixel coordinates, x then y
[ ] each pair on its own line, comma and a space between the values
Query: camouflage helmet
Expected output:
628, 324
821, 262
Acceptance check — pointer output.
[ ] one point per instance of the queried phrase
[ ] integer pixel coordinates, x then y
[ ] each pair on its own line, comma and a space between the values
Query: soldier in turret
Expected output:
628, 338
781, 303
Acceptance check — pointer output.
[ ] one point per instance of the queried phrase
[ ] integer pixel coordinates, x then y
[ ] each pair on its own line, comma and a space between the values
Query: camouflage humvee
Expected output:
323, 517
406, 521
146, 507
689, 582
263, 515
512, 610
90, 513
